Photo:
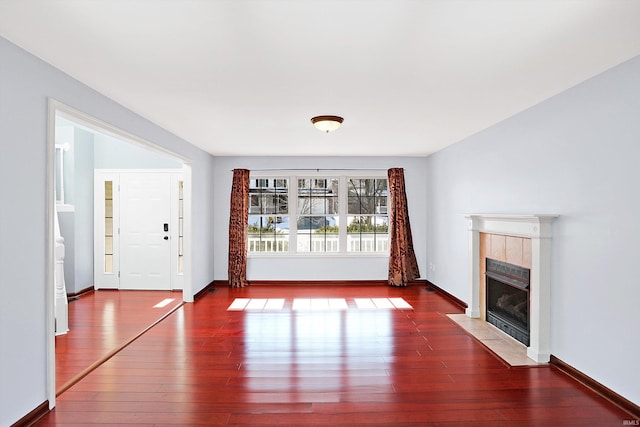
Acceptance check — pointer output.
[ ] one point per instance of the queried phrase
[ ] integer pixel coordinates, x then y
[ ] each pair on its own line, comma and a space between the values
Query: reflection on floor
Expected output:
204, 365
101, 322
314, 304
508, 349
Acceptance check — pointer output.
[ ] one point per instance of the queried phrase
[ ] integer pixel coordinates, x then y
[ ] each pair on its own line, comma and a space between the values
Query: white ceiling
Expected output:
239, 77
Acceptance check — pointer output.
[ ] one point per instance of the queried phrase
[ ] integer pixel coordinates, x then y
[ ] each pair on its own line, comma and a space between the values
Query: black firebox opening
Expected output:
507, 298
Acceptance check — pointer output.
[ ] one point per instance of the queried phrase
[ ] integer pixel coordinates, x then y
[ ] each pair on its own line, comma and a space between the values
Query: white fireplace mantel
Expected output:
538, 229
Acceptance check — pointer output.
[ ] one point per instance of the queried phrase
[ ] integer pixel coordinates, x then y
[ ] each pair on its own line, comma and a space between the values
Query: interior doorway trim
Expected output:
56, 108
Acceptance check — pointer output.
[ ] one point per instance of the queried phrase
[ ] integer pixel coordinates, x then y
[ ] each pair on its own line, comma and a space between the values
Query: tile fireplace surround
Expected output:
537, 228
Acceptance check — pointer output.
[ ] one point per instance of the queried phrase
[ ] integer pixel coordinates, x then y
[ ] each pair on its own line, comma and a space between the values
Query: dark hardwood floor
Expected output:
101, 322
204, 365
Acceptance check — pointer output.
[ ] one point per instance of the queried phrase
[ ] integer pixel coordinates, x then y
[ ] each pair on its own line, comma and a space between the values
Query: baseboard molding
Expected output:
81, 293
223, 283
631, 408
317, 282
209, 288
32, 417
447, 295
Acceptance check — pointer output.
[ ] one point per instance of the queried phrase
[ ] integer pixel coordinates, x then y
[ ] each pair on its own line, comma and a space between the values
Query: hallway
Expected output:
206, 365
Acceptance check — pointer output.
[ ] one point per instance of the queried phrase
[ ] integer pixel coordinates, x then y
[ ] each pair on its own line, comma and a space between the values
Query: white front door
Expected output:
145, 218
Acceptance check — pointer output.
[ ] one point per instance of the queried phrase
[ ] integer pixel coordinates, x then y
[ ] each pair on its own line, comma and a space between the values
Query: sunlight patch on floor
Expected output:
164, 303
315, 304
318, 304
400, 304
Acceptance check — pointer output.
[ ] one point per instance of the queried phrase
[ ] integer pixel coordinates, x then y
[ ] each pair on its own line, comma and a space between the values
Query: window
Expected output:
318, 214
367, 220
268, 215
60, 185
181, 227
108, 226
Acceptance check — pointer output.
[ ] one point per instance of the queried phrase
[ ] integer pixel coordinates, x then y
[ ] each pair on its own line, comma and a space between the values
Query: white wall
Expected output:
26, 83
76, 227
112, 153
575, 155
317, 268
83, 215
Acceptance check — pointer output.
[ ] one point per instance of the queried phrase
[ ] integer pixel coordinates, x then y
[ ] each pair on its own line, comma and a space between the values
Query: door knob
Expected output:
166, 237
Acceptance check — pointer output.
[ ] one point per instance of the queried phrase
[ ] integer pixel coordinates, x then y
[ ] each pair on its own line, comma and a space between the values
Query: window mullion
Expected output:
342, 210
293, 214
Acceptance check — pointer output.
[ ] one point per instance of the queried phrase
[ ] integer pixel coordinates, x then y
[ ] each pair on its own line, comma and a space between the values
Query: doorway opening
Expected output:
78, 145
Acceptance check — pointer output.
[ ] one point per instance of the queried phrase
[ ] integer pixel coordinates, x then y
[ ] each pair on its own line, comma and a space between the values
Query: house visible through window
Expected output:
268, 215
318, 214
367, 220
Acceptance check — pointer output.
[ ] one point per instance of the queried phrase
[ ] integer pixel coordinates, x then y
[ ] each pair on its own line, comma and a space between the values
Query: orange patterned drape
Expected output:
403, 266
238, 222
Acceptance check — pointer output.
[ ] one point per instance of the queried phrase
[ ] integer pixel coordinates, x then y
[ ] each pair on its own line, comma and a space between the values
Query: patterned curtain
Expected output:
403, 266
238, 218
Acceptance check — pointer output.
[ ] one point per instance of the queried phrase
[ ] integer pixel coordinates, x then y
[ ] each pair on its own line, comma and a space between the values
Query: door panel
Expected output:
145, 248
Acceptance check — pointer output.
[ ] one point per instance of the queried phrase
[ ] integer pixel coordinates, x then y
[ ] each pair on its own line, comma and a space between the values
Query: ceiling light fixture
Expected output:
327, 123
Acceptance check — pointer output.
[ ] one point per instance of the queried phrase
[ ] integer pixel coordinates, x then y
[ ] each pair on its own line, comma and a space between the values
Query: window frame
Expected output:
343, 176
267, 178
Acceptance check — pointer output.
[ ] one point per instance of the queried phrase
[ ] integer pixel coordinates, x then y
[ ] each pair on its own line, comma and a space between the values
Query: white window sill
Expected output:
322, 255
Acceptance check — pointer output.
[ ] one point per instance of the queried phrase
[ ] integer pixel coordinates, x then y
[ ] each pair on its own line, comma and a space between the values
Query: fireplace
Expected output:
537, 228
507, 298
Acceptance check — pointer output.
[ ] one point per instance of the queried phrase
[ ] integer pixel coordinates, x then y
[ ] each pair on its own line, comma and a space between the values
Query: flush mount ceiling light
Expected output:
327, 123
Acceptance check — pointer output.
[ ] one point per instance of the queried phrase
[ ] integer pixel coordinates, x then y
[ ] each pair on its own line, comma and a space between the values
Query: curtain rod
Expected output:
314, 170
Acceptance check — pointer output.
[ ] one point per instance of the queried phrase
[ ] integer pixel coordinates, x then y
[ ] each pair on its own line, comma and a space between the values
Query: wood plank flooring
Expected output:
204, 365
102, 321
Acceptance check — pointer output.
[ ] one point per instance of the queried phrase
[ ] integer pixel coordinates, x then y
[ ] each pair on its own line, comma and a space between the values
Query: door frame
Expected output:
104, 280
57, 108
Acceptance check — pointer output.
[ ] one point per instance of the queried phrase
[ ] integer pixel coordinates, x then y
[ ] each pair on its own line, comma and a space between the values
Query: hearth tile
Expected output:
505, 347
526, 253
485, 334
498, 247
514, 250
